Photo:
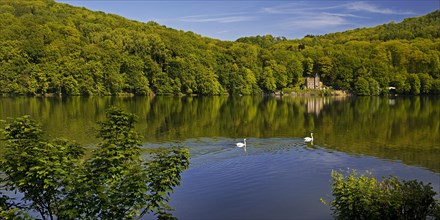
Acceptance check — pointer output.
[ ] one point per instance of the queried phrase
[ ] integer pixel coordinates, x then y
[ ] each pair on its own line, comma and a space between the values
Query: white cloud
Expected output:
311, 7
312, 16
217, 18
315, 22
344, 15
368, 7
291, 8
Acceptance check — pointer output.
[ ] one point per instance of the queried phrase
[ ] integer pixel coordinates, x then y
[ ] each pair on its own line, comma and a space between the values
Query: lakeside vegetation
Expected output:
364, 197
53, 48
54, 179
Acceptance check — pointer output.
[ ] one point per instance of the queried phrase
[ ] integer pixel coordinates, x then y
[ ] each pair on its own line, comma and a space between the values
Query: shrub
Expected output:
362, 87
363, 197
114, 183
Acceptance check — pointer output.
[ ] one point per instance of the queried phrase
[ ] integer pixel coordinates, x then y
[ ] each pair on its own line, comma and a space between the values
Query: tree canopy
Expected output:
48, 47
364, 197
55, 180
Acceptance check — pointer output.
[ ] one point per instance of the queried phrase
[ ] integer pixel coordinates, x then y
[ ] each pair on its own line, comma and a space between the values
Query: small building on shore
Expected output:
314, 82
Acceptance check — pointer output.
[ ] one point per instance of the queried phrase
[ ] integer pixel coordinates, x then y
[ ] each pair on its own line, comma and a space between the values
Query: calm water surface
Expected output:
278, 176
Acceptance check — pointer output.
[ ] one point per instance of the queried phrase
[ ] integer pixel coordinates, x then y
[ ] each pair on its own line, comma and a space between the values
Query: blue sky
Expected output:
229, 19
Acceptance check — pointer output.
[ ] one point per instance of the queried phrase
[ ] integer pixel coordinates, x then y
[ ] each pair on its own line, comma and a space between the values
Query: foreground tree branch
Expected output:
114, 183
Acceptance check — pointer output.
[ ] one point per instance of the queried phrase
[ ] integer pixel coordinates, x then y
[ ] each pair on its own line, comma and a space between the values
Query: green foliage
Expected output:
308, 66
265, 41
362, 87
363, 197
8, 210
436, 212
425, 83
48, 47
374, 86
14, 214
436, 87
35, 167
114, 183
414, 82
163, 171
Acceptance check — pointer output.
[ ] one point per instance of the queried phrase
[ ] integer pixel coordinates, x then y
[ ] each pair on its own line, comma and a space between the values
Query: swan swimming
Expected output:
309, 139
239, 144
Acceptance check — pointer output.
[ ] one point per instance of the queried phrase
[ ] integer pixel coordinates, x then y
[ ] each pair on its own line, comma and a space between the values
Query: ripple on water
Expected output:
275, 178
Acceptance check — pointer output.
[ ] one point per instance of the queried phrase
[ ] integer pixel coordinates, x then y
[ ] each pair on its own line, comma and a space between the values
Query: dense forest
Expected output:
52, 48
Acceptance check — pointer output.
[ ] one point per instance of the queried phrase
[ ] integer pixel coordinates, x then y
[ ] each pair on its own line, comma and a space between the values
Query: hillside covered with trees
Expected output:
52, 48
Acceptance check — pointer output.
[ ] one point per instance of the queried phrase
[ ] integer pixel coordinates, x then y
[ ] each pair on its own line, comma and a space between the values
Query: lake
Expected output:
277, 176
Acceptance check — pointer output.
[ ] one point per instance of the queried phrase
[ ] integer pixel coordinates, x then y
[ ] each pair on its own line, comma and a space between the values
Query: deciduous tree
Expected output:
114, 183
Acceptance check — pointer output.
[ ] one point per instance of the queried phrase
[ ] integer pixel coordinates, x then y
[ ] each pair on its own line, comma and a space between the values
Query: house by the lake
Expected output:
314, 82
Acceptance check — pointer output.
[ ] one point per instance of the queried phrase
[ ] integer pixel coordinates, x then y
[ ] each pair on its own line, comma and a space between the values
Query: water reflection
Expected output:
278, 178
397, 128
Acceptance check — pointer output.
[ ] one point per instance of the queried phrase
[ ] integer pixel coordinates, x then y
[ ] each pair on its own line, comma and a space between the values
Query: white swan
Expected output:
239, 144
309, 139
